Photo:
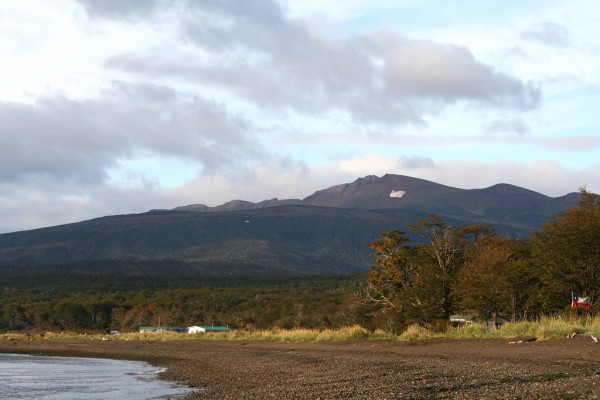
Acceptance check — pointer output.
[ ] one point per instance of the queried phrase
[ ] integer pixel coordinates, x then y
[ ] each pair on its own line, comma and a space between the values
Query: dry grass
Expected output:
296, 335
547, 327
544, 328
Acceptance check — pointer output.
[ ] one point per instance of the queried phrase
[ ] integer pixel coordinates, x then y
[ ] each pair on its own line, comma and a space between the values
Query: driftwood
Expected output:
572, 335
527, 340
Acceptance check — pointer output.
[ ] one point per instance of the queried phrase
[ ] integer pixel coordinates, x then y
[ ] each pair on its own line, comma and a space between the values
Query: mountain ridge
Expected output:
399, 191
326, 232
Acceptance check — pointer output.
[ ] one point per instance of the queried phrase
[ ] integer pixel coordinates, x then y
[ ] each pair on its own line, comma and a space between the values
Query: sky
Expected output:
117, 107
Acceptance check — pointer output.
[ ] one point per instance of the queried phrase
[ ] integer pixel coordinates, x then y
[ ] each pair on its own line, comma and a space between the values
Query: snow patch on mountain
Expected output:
397, 193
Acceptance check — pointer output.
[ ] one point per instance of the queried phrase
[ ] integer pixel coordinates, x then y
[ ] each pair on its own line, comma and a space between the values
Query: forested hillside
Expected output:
452, 268
326, 232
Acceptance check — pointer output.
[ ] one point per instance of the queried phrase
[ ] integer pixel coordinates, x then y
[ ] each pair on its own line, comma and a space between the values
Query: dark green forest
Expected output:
448, 270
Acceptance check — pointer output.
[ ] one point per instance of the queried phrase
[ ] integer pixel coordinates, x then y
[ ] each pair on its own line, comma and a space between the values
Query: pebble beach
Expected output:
359, 369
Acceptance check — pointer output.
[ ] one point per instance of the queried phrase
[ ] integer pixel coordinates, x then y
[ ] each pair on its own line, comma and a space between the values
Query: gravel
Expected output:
431, 369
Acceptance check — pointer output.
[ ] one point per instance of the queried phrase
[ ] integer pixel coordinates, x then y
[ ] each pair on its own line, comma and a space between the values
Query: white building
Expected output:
204, 329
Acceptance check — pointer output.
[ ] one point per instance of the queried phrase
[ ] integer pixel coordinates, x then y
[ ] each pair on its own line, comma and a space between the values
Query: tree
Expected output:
394, 270
567, 252
497, 280
447, 249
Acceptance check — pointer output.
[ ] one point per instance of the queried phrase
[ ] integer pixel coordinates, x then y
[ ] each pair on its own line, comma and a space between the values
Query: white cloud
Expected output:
258, 54
103, 103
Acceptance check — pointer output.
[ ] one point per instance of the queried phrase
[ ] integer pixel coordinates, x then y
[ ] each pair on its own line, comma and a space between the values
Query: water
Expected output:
64, 378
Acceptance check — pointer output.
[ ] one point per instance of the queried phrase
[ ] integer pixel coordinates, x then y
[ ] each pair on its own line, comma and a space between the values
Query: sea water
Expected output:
67, 378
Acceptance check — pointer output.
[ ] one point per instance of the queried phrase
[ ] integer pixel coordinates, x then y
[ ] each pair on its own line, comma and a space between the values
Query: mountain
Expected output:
326, 232
521, 210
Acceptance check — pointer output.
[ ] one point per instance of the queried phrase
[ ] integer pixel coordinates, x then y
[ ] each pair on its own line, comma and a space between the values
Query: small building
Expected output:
178, 329
205, 329
462, 319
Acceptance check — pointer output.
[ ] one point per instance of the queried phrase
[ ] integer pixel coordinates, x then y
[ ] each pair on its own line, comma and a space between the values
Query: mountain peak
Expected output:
396, 192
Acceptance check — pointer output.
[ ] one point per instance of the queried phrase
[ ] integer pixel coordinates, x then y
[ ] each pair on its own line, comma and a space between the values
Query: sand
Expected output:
431, 369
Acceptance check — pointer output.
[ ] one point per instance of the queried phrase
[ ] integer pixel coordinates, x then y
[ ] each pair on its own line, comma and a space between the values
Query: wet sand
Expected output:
432, 369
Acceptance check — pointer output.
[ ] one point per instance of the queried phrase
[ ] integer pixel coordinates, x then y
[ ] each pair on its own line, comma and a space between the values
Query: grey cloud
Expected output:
303, 70
143, 92
221, 25
254, 51
416, 162
548, 33
426, 69
515, 125
36, 202
79, 140
51, 138
121, 9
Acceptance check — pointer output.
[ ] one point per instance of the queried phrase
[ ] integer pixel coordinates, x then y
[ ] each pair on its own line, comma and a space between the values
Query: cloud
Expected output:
548, 33
548, 177
544, 176
122, 9
185, 101
79, 140
507, 126
426, 69
255, 182
416, 163
256, 53
36, 202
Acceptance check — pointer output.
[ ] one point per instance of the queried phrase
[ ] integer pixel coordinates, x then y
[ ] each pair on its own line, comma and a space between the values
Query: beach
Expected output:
359, 369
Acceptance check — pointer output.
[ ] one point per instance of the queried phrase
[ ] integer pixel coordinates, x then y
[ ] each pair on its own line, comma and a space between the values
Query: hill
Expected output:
325, 233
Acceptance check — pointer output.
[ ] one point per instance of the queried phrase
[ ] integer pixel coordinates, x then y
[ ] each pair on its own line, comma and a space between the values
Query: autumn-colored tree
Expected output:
393, 271
567, 252
415, 283
497, 280
446, 251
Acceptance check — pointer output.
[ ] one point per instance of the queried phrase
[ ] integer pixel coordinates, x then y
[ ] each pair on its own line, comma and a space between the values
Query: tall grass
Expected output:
547, 327
470, 331
296, 335
417, 332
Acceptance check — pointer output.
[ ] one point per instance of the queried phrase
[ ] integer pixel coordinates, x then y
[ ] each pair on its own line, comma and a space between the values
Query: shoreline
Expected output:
358, 369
